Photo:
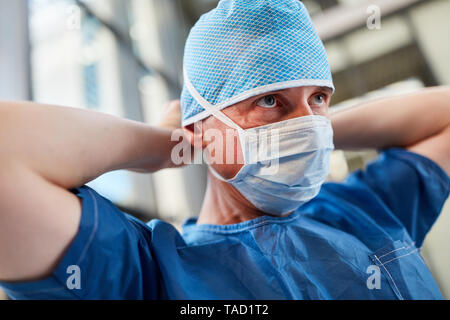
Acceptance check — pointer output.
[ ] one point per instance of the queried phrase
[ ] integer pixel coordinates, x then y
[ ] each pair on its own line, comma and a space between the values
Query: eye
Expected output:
319, 99
268, 101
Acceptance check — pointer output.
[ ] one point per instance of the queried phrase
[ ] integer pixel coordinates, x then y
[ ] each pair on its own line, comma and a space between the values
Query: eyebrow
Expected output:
323, 88
329, 90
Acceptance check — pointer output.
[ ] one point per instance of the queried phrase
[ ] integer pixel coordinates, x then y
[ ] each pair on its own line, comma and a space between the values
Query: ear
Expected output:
194, 134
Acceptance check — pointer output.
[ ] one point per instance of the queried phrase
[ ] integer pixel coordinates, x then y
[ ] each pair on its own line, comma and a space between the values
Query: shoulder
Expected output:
399, 193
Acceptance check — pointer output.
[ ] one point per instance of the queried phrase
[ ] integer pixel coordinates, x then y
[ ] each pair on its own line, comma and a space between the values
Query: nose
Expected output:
302, 108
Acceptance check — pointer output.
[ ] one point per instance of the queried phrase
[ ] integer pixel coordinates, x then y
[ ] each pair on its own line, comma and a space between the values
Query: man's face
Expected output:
261, 110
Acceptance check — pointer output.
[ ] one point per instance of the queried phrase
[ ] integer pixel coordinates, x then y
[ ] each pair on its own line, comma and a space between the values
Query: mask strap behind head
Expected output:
212, 110
207, 106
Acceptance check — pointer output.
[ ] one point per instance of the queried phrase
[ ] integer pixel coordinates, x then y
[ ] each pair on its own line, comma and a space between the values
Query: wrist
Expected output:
151, 150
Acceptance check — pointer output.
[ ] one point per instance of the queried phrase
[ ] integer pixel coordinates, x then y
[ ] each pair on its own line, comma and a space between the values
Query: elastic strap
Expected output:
207, 106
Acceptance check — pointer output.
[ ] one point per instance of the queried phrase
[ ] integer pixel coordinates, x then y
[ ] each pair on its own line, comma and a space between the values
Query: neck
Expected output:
224, 205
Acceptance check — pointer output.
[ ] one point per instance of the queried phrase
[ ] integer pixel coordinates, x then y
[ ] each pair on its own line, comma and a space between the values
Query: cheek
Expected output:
233, 156
320, 111
262, 116
227, 171
224, 151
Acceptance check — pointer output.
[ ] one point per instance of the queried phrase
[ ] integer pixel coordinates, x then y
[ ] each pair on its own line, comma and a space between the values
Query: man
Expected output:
255, 68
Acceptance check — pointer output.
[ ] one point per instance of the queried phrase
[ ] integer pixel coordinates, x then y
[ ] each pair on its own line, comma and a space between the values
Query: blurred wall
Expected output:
14, 50
432, 28
14, 54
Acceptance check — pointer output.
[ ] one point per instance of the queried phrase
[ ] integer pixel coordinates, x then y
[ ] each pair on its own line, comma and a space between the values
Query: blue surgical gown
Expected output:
359, 239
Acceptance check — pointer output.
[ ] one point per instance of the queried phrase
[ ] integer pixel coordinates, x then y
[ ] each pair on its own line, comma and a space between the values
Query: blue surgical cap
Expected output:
245, 48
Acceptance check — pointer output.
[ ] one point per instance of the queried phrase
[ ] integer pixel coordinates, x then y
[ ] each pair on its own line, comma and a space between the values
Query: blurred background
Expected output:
124, 57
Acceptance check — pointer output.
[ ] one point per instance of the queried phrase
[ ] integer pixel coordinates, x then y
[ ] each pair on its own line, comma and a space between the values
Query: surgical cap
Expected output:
244, 48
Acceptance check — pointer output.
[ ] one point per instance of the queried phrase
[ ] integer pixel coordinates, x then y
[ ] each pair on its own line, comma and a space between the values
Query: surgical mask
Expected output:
285, 163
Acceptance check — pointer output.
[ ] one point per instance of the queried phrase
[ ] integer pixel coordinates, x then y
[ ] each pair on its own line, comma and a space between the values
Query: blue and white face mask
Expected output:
293, 164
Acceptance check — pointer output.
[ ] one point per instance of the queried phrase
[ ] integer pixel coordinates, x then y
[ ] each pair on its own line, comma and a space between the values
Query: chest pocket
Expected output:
403, 267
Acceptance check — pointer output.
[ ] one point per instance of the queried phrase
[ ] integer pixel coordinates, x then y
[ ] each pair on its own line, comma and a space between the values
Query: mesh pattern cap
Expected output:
245, 48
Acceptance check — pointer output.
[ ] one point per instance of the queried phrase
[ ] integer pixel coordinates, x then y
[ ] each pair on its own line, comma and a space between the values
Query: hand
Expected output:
172, 121
171, 118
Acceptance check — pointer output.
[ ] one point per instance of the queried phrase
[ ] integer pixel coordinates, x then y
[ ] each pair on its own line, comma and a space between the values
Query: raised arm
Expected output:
419, 122
46, 151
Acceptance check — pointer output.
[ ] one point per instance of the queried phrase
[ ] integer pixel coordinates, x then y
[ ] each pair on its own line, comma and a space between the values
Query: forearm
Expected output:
70, 147
393, 122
